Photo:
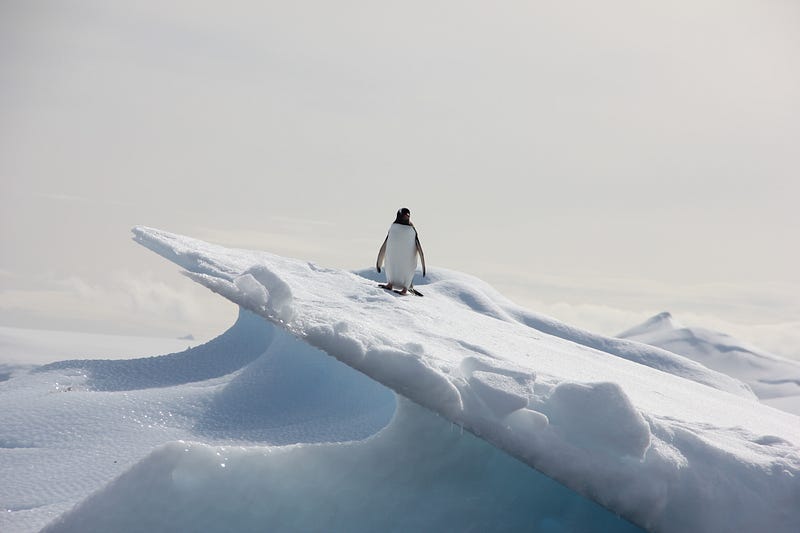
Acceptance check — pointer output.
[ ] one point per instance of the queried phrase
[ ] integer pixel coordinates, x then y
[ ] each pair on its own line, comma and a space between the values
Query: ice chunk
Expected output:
502, 394
526, 422
410, 375
258, 289
598, 417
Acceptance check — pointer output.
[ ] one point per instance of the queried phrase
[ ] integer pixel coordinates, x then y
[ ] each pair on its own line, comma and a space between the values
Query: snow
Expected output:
260, 426
775, 380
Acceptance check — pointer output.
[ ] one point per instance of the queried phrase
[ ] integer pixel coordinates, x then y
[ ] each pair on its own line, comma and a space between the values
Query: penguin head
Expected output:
403, 215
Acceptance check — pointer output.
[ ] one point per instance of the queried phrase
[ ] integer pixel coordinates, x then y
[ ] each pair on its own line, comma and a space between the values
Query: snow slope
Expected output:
775, 380
70, 427
623, 425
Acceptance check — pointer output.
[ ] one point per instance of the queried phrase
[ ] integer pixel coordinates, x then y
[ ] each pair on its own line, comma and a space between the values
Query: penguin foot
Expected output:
404, 292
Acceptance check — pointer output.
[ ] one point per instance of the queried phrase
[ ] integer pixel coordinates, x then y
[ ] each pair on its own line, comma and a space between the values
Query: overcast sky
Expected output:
595, 161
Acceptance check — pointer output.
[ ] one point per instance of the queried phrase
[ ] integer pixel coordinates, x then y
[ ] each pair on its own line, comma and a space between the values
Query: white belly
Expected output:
401, 255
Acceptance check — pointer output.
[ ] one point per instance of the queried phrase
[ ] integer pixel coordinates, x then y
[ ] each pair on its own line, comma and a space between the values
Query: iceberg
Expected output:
455, 411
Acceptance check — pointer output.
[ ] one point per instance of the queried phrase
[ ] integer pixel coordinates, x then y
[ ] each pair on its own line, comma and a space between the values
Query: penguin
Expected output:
400, 249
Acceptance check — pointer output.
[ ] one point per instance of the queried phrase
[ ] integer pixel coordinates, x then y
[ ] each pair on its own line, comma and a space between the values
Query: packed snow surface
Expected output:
260, 426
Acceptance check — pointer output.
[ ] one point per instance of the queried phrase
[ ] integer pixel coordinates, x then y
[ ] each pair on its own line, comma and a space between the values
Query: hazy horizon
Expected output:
596, 163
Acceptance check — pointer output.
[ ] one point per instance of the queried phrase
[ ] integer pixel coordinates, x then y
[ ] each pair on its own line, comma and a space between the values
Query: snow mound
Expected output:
657, 438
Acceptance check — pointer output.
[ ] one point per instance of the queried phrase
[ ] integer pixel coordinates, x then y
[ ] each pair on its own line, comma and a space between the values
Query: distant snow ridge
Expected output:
657, 438
775, 380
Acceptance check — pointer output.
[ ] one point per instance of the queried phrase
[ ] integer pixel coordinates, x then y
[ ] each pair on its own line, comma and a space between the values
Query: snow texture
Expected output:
264, 428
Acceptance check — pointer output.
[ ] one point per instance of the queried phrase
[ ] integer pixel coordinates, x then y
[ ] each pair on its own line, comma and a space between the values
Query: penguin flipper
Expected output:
381, 254
421, 255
